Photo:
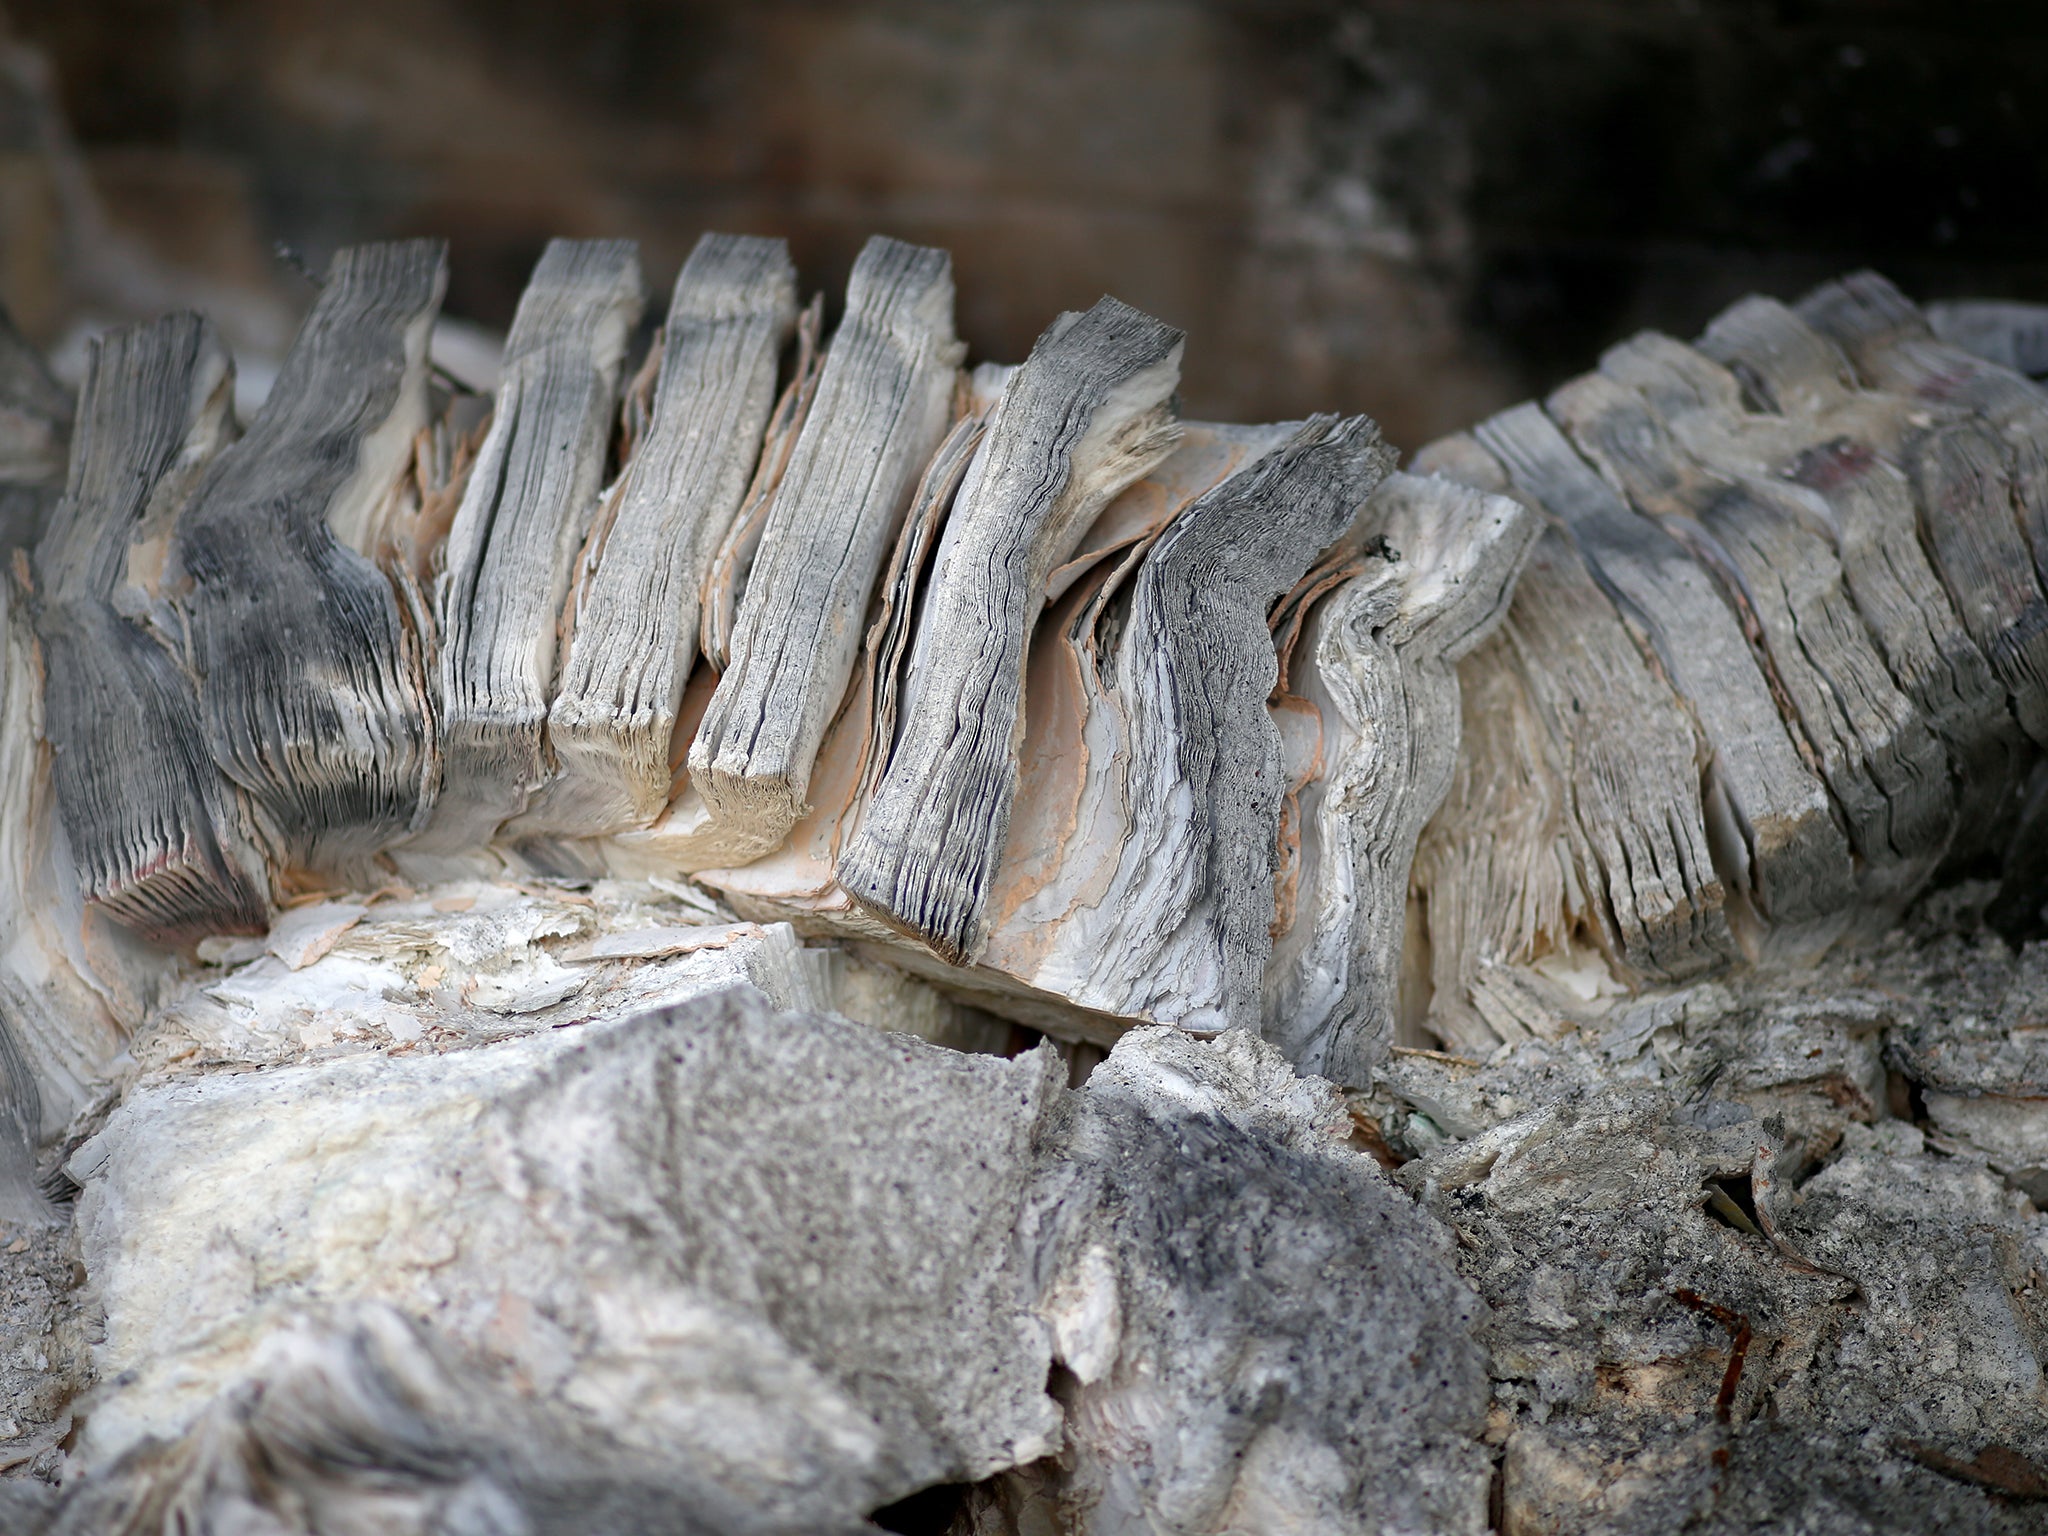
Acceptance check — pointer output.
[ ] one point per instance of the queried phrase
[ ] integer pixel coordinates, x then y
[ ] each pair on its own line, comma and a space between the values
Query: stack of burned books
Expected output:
1088, 713
1062, 699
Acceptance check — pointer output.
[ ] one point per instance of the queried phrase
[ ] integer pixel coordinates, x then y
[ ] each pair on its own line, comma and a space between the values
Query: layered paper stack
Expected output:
1089, 714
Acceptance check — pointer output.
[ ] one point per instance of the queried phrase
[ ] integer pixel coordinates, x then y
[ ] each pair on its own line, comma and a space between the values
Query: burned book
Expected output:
1088, 413
158, 837
1767, 804
1575, 828
312, 690
1181, 928
1966, 480
1893, 347
1778, 568
1426, 573
1863, 504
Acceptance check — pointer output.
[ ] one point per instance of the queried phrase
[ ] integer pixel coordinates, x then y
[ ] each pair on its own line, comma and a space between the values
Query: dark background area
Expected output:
1419, 208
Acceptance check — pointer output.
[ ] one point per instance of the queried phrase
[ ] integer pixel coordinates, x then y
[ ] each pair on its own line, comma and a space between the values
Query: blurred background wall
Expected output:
1418, 208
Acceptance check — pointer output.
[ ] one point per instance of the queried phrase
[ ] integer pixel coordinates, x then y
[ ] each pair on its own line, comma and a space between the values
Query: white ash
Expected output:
724, 1268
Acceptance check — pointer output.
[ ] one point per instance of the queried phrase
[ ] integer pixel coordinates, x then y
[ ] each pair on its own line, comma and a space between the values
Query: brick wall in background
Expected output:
1418, 208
